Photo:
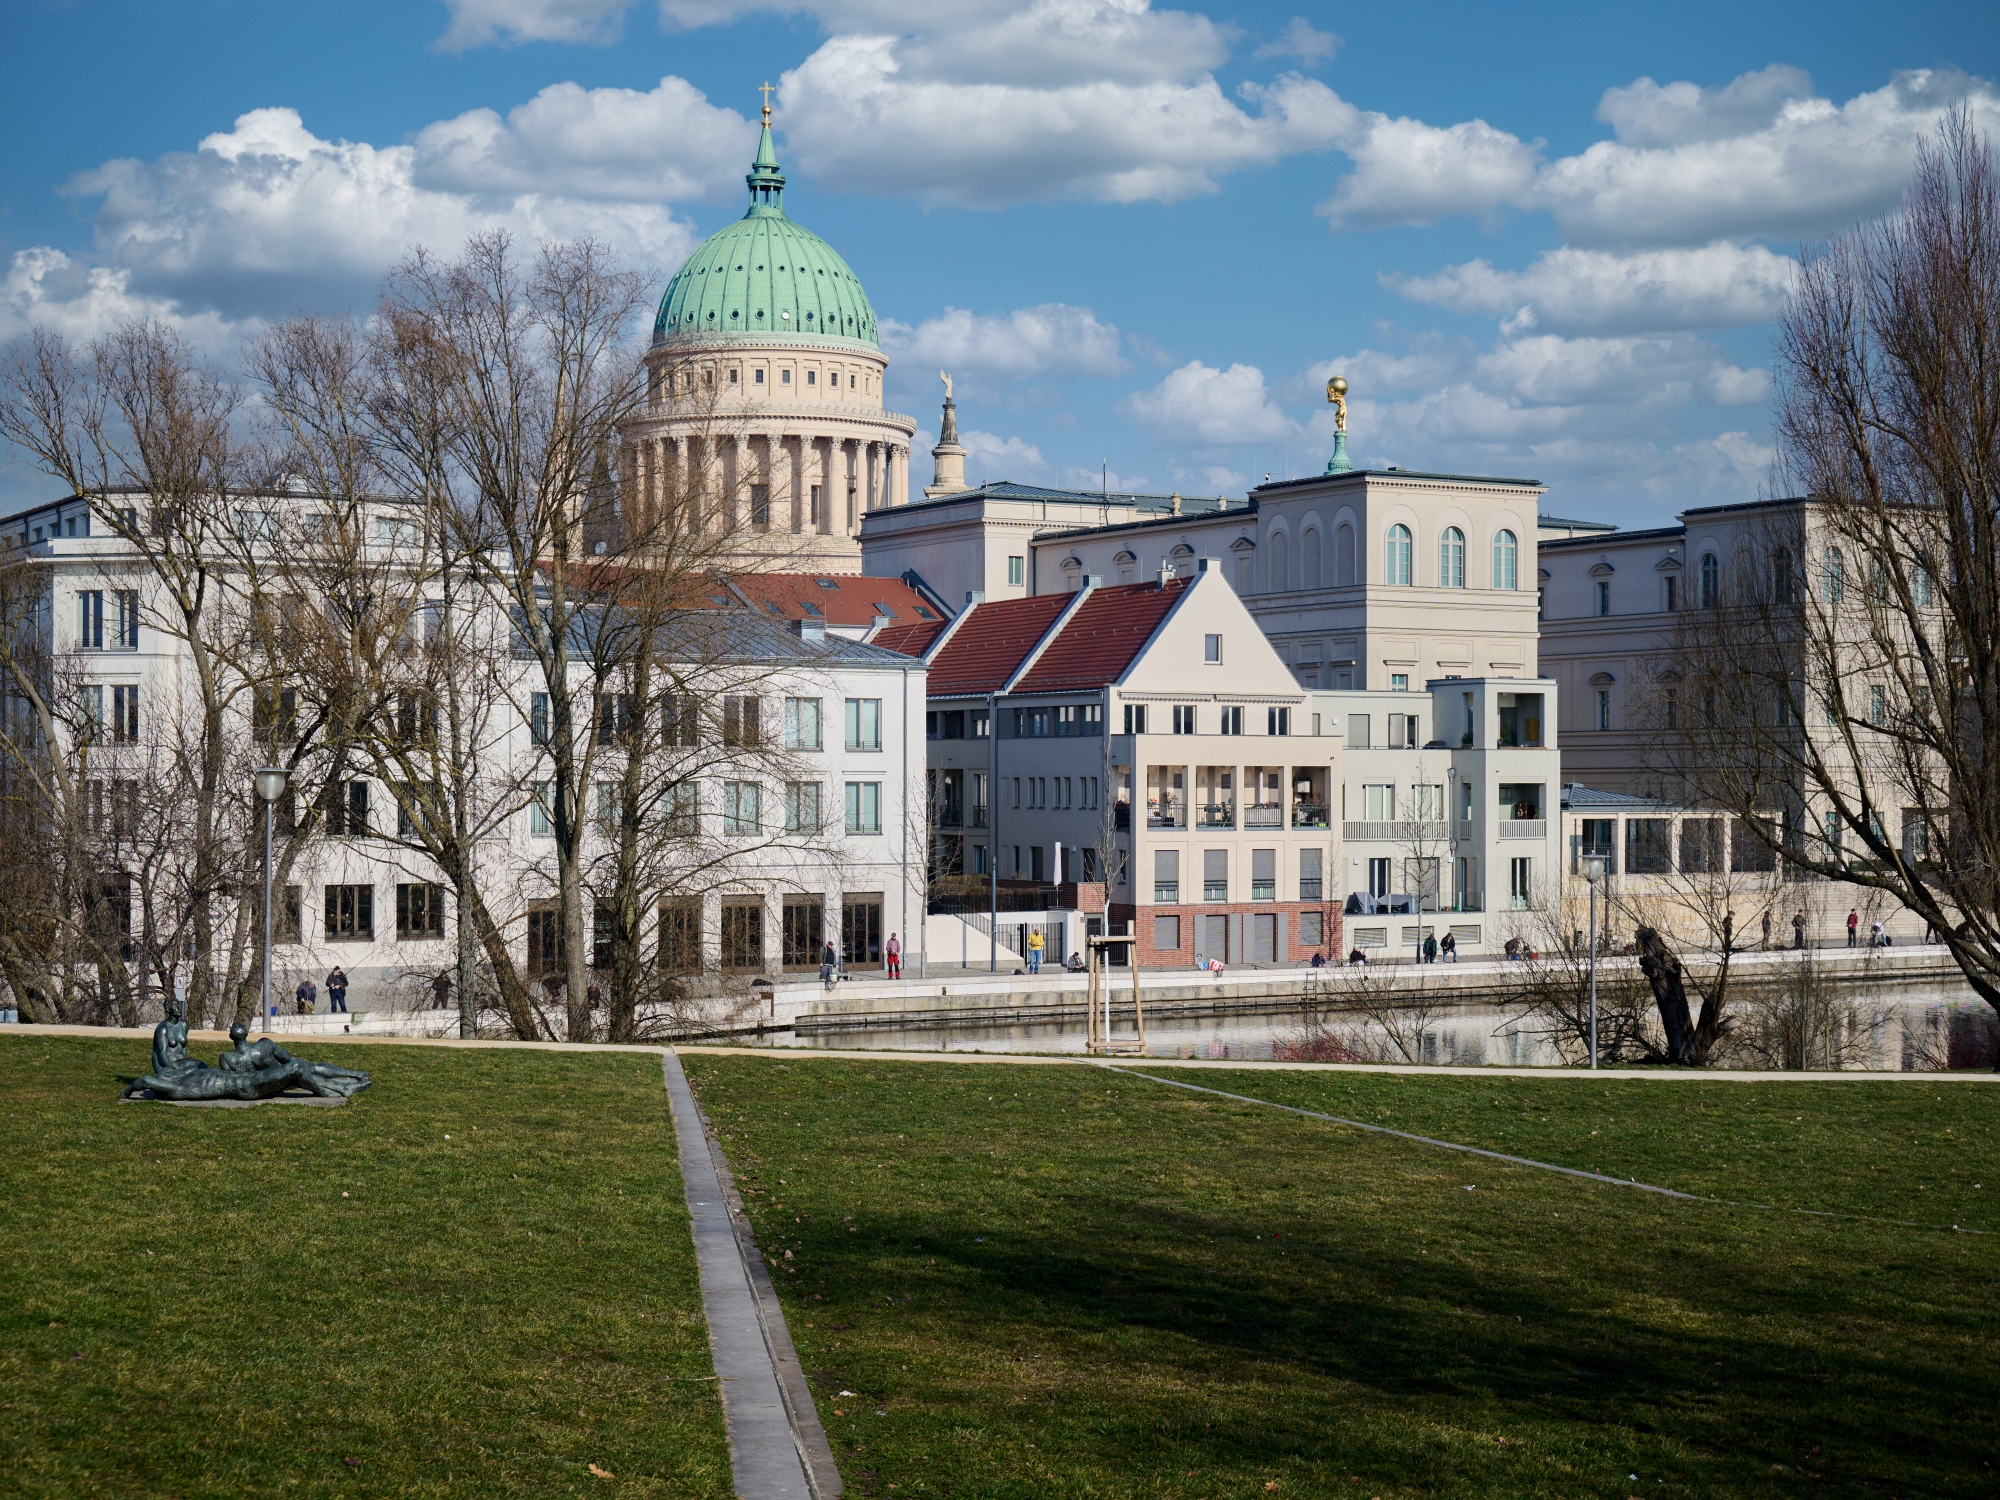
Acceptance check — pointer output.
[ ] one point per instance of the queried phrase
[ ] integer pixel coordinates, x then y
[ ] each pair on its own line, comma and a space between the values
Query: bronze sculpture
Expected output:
259, 1070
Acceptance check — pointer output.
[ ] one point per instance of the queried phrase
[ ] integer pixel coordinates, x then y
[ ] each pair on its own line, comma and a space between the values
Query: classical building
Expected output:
765, 392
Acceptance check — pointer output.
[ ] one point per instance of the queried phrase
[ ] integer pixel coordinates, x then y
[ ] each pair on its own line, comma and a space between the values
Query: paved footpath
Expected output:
777, 1448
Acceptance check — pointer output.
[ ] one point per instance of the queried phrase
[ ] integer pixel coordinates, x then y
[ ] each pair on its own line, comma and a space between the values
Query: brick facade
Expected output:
1239, 915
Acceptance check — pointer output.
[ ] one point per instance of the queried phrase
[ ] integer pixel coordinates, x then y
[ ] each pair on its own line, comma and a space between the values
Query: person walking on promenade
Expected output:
1035, 946
307, 996
1430, 948
1767, 927
336, 992
1853, 922
829, 961
1799, 930
893, 952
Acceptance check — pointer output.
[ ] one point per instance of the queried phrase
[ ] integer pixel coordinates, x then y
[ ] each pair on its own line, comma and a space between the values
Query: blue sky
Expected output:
1538, 240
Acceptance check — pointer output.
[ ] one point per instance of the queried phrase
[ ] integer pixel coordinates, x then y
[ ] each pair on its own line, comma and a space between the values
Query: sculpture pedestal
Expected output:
235, 1103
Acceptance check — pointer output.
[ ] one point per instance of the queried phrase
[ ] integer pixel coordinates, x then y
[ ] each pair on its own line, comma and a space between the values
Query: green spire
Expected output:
1340, 463
767, 182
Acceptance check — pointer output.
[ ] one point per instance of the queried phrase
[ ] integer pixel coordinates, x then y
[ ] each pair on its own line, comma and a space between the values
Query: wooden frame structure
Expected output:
1098, 1038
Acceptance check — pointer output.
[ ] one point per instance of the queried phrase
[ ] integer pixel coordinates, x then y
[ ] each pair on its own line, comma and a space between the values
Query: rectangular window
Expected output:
538, 718
1135, 718
757, 376
350, 911
1232, 720
760, 505
742, 807
680, 722
1521, 883
680, 937
1215, 875
1211, 649
1167, 878
740, 717
814, 517
805, 922
90, 624
864, 723
864, 807
275, 716
125, 714
978, 725
1183, 718
610, 795
614, 717
861, 928
1312, 929
1672, 592
1701, 846
541, 816
812, 377
1263, 874
1604, 708
1399, 682
1167, 933
1878, 705
1648, 846
1017, 571
1311, 882
1603, 598
784, 377
1357, 731
742, 935
1278, 721
802, 807
419, 911
680, 809
1378, 802
1427, 802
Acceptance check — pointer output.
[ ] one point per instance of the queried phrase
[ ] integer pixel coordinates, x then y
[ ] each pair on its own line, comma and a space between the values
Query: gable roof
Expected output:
837, 598
911, 640
1103, 637
1104, 634
991, 643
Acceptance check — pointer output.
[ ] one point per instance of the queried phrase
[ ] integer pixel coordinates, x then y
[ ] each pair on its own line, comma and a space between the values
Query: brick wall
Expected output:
1290, 950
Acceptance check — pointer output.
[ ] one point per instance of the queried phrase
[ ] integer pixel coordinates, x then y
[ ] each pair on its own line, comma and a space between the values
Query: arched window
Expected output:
1451, 559
1309, 561
1506, 553
1396, 565
1277, 578
1343, 556
1832, 576
1781, 575
1711, 580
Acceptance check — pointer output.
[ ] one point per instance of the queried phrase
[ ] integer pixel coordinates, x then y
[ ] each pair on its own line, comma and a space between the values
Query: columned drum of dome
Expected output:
765, 390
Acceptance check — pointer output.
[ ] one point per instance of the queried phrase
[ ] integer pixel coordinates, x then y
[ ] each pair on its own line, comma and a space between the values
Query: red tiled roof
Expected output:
992, 643
837, 598
911, 640
1101, 639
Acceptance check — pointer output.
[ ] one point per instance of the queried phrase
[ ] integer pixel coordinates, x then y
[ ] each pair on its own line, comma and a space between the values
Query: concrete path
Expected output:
765, 1402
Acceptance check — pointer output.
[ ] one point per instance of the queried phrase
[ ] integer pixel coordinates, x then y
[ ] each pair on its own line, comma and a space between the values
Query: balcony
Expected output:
1216, 815
1311, 815
1524, 828
950, 816
978, 817
1121, 815
1264, 815
1166, 813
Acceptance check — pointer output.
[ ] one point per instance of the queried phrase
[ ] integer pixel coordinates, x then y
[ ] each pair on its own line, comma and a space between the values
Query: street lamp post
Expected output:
1593, 872
271, 784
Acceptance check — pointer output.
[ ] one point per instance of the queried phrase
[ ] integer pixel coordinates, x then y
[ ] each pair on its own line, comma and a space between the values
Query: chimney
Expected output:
1093, 580
974, 596
1166, 572
1210, 565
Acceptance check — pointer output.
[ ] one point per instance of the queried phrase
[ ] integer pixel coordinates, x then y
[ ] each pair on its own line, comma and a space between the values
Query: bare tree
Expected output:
1842, 698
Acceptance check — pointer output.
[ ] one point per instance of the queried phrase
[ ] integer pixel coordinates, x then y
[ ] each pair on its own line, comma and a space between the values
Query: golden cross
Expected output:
766, 90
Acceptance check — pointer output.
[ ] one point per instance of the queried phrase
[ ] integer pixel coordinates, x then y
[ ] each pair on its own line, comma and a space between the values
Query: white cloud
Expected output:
1546, 370
1301, 40
1645, 113
666, 143
989, 456
44, 287
1407, 172
1209, 405
476, 23
1076, 477
1572, 291
1051, 339
267, 215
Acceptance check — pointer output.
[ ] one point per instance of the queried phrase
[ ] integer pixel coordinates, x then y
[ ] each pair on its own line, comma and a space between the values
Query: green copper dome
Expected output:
765, 277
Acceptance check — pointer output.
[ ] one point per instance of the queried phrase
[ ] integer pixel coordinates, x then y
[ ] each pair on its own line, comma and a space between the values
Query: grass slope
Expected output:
1061, 1282
236, 1302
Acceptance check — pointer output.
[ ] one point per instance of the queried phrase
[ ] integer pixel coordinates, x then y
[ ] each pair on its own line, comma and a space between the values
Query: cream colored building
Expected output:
765, 392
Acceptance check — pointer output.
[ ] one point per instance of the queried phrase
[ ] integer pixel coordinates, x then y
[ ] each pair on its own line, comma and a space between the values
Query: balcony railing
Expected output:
1400, 831
949, 816
1310, 815
1121, 815
978, 817
1166, 813
1217, 815
1264, 815
1524, 828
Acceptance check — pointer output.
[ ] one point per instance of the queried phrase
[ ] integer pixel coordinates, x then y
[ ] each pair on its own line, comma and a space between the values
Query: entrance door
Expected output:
1263, 937
1215, 937
861, 930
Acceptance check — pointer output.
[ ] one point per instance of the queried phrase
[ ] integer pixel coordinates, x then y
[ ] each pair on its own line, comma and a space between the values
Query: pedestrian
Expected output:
1853, 921
1799, 930
894, 953
307, 996
441, 992
1449, 948
1430, 948
1358, 957
1513, 949
594, 996
1875, 934
1767, 927
1035, 946
1319, 959
829, 961
336, 992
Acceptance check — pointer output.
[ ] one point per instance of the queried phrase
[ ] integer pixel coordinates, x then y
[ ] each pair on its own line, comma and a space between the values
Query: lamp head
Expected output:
272, 781
1593, 867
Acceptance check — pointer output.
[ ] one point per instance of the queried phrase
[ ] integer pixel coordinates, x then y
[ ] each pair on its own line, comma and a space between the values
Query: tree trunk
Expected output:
1663, 972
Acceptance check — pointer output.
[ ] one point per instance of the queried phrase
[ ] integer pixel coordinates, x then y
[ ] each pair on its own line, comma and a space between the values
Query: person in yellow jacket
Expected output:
1035, 951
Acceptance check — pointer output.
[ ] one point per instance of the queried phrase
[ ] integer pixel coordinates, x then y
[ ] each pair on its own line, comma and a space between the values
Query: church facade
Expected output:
764, 394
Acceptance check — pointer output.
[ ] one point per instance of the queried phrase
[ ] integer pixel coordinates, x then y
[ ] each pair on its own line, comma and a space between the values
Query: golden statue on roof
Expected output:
1336, 392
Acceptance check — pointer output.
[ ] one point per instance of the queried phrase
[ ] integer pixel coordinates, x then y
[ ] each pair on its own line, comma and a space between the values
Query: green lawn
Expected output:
1054, 1281
476, 1279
